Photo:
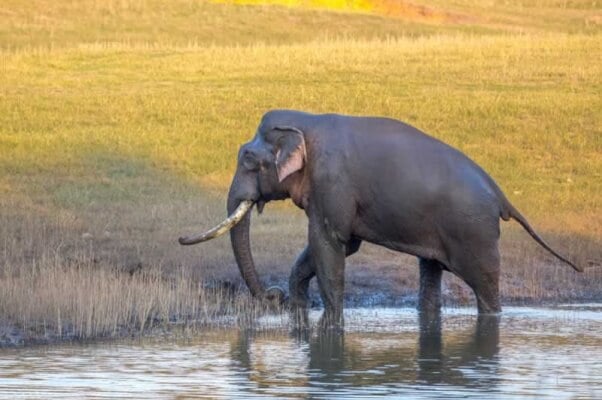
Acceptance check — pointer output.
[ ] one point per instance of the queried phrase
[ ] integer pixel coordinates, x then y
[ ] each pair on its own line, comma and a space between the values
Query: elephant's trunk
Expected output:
239, 223
241, 245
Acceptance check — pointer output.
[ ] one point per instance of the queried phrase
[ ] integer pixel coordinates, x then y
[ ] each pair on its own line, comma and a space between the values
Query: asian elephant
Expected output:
374, 179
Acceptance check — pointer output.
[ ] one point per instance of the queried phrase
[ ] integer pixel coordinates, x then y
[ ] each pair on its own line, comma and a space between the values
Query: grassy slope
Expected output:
526, 108
62, 23
113, 141
183, 22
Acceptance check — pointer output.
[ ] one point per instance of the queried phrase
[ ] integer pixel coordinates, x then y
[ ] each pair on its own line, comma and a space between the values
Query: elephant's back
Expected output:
398, 163
388, 157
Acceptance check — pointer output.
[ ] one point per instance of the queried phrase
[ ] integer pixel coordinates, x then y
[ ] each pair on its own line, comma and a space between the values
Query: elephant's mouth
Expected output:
224, 226
259, 205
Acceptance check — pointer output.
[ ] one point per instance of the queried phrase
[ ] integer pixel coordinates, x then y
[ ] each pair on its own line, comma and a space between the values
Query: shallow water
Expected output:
525, 353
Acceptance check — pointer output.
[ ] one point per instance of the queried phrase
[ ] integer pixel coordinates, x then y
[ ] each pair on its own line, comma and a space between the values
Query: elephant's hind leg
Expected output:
429, 295
487, 292
482, 273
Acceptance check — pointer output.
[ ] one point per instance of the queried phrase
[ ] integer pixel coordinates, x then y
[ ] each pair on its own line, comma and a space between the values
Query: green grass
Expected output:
525, 107
48, 23
120, 122
181, 22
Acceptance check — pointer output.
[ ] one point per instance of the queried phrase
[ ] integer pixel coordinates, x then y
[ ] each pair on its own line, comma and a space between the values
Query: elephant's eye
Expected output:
250, 161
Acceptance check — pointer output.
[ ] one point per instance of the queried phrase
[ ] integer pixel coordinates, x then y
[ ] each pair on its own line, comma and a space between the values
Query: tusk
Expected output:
222, 228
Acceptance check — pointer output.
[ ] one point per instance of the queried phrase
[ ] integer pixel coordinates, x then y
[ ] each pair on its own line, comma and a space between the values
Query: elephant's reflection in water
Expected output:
461, 357
470, 359
270, 359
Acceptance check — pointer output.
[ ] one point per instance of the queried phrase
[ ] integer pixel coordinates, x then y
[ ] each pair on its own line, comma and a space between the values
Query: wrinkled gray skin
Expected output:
379, 180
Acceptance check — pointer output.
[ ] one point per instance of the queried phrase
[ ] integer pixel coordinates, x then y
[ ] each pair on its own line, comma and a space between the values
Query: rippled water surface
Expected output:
525, 353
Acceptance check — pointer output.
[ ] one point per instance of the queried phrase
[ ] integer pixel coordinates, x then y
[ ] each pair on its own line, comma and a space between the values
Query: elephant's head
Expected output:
270, 167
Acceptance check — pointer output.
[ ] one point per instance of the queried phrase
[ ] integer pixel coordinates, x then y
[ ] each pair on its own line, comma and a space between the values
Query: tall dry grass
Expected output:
50, 300
60, 282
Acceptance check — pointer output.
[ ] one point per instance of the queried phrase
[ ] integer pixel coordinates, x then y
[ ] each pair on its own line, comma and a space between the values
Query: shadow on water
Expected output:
338, 361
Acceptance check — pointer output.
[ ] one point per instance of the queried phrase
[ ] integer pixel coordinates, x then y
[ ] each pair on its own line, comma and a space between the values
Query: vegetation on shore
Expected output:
120, 121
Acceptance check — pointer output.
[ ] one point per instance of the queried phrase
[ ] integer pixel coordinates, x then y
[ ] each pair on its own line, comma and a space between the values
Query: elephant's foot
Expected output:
489, 306
299, 318
298, 300
331, 321
487, 292
429, 320
429, 307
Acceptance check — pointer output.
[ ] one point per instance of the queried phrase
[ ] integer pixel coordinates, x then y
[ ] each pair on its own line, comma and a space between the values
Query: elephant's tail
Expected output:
511, 212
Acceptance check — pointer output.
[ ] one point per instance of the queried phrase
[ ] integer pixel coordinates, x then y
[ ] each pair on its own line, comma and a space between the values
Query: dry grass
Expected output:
114, 269
119, 122
49, 292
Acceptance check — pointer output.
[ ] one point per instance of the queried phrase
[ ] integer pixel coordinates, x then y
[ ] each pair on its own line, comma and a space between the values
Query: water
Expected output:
525, 353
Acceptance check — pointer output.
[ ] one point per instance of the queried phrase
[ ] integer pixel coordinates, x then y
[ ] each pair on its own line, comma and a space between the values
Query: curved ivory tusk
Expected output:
222, 228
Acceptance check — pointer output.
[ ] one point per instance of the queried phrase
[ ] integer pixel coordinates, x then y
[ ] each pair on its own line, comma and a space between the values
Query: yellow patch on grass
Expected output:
389, 8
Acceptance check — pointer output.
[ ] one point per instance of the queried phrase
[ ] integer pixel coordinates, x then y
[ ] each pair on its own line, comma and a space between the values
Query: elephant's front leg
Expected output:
328, 255
304, 270
298, 282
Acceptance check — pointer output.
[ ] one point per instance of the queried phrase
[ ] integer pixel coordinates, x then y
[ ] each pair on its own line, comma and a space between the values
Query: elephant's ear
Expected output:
291, 153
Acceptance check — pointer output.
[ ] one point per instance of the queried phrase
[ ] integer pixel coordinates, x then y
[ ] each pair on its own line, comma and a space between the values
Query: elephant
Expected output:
371, 179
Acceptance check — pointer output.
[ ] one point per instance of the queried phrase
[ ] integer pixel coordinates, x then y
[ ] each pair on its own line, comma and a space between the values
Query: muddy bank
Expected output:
381, 293
117, 270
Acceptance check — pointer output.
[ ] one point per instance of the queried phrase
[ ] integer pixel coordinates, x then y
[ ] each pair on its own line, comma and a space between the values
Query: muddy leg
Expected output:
298, 283
482, 274
429, 296
328, 256
300, 278
488, 293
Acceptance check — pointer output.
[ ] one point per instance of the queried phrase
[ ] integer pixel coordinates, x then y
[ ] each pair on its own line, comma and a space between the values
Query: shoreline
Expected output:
13, 337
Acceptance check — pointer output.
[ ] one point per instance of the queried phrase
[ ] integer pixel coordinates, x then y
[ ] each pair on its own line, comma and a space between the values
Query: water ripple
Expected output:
527, 352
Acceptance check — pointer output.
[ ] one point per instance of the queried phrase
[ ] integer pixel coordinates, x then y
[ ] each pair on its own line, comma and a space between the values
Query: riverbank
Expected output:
64, 284
114, 269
